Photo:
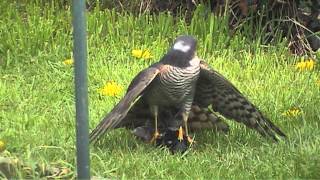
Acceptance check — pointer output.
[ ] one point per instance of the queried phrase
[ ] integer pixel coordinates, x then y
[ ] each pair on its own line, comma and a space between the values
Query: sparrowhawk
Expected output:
169, 91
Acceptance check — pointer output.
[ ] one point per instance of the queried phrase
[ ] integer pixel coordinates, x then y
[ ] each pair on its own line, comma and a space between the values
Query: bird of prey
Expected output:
164, 94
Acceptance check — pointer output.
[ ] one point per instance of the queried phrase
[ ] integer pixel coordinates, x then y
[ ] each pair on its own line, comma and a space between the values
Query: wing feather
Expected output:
136, 88
215, 90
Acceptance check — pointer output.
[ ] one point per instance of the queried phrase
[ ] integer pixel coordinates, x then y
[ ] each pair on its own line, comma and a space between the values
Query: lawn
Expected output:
37, 112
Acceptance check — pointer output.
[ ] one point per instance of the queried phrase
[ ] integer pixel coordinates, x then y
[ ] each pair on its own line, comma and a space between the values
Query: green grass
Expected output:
37, 114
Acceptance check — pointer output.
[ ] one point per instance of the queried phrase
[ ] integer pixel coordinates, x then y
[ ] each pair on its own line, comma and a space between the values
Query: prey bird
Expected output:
167, 90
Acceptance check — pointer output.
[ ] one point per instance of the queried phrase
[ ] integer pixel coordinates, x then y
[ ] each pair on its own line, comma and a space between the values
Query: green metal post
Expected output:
81, 88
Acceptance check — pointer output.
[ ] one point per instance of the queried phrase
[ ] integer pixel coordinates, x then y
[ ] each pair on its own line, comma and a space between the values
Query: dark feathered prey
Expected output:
163, 95
140, 121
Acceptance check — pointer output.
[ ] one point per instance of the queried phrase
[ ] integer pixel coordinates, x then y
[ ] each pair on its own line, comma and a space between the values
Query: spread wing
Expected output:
213, 89
135, 89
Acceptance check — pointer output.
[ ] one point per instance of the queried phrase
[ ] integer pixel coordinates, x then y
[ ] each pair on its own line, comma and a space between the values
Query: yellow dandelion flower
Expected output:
300, 65
306, 65
111, 89
144, 54
2, 146
310, 64
68, 62
293, 112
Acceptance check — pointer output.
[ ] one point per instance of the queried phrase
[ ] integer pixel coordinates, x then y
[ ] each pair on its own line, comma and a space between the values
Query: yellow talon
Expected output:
190, 140
155, 136
180, 134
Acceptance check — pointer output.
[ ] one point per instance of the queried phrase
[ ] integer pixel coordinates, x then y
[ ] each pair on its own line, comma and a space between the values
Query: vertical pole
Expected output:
81, 88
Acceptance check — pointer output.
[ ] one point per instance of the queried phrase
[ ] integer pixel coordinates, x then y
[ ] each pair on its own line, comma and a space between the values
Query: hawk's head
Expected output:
182, 51
185, 44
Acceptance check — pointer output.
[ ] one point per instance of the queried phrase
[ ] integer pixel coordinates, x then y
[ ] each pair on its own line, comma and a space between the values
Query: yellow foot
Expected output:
181, 134
155, 137
190, 140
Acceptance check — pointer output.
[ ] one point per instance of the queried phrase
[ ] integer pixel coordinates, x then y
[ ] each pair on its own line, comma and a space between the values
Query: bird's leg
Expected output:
185, 116
156, 132
180, 134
